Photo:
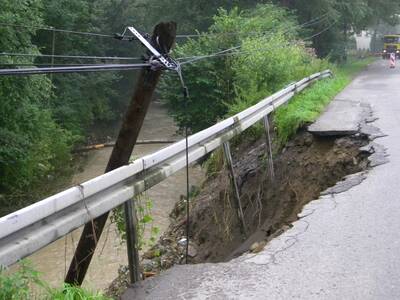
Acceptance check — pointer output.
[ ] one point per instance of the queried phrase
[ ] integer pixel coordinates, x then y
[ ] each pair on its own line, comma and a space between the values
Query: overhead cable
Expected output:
69, 56
110, 67
53, 29
231, 51
194, 59
322, 31
47, 64
76, 69
312, 22
58, 30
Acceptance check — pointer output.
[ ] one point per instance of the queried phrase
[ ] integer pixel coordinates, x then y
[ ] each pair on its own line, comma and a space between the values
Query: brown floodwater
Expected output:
53, 260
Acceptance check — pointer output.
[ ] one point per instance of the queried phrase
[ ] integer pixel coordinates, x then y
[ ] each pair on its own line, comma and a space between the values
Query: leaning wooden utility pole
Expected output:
163, 39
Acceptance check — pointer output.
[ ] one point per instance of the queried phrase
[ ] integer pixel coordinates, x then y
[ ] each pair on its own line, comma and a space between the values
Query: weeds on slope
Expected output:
308, 105
25, 284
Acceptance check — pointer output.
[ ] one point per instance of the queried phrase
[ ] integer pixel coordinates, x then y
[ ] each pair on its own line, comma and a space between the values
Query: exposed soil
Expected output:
307, 166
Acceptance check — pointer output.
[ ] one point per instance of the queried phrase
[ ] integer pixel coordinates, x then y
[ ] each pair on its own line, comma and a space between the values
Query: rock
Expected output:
152, 253
167, 262
182, 242
148, 265
166, 240
258, 246
308, 140
192, 251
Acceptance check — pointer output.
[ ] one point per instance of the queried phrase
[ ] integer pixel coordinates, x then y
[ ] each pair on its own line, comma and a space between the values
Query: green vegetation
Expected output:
17, 286
147, 232
25, 284
42, 118
225, 85
344, 18
307, 106
32, 145
69, 292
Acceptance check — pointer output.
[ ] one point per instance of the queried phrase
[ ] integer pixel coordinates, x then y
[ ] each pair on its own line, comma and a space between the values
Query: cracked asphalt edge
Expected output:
378, 156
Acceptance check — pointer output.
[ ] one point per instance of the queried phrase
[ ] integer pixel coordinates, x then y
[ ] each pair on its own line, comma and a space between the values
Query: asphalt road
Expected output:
345, 246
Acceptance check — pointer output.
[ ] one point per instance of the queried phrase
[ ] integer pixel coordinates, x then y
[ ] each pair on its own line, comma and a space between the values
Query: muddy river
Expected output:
53, 260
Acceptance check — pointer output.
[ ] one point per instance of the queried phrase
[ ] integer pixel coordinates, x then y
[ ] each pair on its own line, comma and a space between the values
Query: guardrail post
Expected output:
269, 146
229, 161
132, 240
163, 37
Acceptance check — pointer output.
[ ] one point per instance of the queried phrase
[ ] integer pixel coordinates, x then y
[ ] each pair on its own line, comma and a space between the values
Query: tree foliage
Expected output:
230, 83
32, 145
343, 18
79, 100
42, 116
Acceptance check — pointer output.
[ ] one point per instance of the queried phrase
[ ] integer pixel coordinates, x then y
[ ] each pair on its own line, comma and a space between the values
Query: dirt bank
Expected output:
307, 166
304, 168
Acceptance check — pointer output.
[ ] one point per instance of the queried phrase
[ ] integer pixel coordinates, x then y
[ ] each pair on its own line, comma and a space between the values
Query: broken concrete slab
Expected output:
372, 132
378, 154
346, 184
341, 117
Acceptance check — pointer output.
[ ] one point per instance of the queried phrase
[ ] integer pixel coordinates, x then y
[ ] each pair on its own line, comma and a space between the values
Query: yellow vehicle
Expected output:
391, 45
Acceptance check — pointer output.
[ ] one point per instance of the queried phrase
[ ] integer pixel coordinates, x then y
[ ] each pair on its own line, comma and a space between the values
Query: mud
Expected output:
306, 167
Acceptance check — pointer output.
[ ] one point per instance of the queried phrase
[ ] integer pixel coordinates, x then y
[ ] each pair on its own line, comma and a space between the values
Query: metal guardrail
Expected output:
32, 228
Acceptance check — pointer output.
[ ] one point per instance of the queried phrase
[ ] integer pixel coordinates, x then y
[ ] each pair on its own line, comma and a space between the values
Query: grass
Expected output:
25, 284
69, 292
308, 105
301, 110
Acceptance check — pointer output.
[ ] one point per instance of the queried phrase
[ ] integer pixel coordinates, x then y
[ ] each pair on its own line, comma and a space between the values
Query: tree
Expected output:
32, 146
343, 18
227, 84
79, 99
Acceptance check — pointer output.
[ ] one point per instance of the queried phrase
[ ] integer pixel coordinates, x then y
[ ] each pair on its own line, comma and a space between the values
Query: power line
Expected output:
53, 29
69, 56
46, 64
231, 51
315, 20
92, 68
194, 59
114, 67
308, 23
84, 33
76, 69
324, 30
312, 22
58, 30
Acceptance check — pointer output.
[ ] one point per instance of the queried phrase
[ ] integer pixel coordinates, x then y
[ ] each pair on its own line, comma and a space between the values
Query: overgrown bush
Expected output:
269, 57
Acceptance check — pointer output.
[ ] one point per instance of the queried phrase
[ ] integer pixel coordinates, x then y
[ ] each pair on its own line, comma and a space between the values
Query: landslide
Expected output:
304, 168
